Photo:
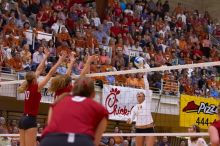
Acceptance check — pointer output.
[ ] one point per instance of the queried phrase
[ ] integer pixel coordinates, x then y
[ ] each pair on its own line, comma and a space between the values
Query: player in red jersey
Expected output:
31, 89
214, 131
76, 120
63, 83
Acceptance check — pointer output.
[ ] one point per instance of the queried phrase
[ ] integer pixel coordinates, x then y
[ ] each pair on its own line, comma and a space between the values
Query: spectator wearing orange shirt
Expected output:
140, 81
16, 62
11, 27
182, 43
80, 43
211, 82
178, 9
131, 81
26, 57
63, 35
118, 57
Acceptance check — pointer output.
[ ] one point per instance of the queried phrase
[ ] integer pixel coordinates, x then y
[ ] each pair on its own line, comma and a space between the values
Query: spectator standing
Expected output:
195, 141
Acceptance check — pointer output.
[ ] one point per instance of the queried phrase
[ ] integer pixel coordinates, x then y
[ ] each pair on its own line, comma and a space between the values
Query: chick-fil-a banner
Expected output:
119, 101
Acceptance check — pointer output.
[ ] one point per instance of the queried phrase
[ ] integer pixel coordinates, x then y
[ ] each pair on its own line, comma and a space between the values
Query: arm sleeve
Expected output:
146, 84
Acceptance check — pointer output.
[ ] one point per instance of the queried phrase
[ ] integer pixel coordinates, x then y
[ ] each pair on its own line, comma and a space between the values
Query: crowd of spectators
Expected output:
11, 127
163, 37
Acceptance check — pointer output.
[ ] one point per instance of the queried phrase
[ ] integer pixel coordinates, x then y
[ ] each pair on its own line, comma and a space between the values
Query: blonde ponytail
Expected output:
22, 87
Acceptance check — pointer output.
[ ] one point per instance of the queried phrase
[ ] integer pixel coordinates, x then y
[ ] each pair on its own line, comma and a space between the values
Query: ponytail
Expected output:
22, 87
29, 77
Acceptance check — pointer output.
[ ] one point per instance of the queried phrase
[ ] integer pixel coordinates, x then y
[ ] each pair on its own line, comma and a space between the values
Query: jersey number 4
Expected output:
27, 94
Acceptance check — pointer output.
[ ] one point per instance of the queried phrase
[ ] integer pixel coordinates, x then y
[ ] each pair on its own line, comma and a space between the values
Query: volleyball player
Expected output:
214, 131
63, 83
142, 113
31, 89
76, 120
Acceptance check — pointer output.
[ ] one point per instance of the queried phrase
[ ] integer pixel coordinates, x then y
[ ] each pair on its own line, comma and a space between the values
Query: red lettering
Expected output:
111, 104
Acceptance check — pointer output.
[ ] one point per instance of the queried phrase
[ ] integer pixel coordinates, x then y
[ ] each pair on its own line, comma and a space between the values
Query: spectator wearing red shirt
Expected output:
70, 24
217, 30
116, 29
58, 5
43, 17
53, 19
196, 51
76, 120
31, 89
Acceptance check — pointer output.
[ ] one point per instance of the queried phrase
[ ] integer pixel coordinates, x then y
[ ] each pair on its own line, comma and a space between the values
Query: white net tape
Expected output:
162, 68
136, 134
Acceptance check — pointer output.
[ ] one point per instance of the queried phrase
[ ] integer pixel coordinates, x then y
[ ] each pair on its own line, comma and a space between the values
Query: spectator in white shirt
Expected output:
37, 58
195, 141
127, 47
95, 19
182, 16
56, 27
137, 48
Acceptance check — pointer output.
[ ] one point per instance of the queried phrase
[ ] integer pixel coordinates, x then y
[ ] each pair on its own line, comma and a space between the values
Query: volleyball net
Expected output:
173, 139
175, 104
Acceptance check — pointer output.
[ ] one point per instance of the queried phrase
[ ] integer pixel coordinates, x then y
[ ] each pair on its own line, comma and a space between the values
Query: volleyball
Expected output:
139, 62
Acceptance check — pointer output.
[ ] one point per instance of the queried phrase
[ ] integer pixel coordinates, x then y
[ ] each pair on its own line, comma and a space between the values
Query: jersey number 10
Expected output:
27, 94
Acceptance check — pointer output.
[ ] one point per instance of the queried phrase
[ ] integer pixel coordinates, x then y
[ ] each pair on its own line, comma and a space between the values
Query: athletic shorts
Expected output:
61, 139
27, 122
146, 130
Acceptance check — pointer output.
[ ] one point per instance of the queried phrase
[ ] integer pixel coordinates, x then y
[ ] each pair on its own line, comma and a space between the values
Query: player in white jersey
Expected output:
142, 113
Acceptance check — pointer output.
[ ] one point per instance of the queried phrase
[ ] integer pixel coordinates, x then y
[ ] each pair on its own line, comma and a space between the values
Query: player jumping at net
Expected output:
214, 131
142, 113
63, 83
76, 120
31, 88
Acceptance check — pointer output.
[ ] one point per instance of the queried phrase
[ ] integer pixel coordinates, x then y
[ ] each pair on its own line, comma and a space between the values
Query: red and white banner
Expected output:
119, 101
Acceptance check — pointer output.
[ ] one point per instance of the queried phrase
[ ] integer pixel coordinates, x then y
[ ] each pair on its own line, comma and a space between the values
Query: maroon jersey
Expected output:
76, 114
66, 89
32, 100
217, 126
